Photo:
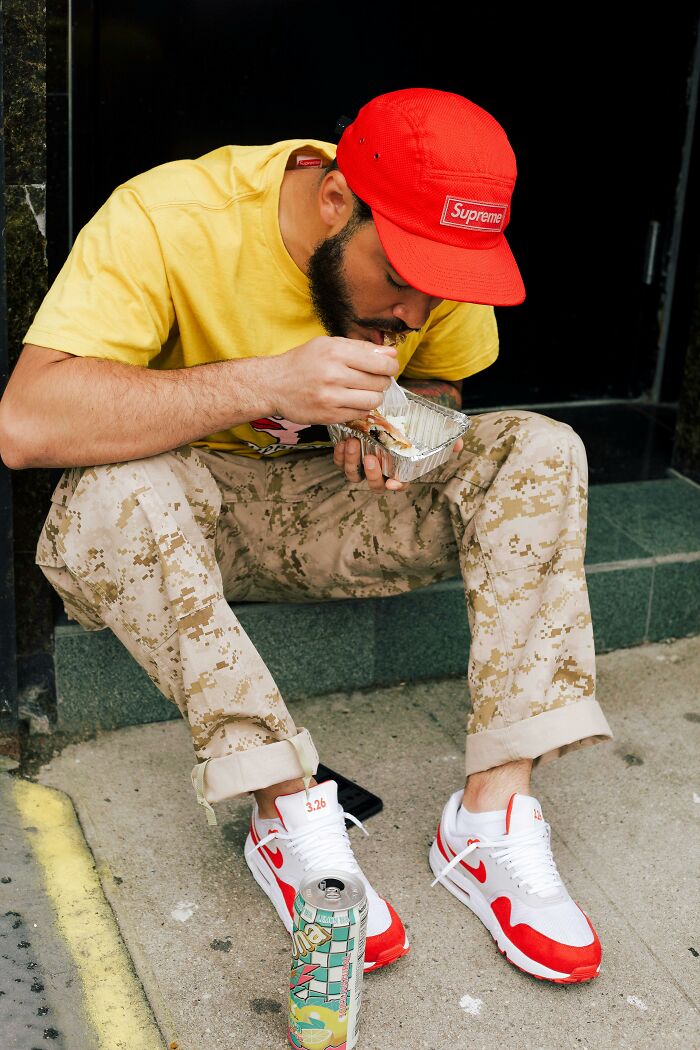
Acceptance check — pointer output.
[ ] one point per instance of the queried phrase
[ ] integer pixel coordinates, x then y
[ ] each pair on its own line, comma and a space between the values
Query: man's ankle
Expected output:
265, 797
492, 789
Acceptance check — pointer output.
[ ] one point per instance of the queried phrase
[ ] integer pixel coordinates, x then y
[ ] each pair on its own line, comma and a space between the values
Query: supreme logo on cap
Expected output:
473, 215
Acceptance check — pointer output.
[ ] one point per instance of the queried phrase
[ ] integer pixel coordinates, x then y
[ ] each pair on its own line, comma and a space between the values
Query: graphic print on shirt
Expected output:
286, 434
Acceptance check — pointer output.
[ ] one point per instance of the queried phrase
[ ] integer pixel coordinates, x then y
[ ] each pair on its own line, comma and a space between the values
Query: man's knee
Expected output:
136, 497
542, 432
530, 436
95, 510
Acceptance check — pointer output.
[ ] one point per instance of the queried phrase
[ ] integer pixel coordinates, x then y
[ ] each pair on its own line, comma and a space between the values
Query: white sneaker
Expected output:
309, 835
511, 882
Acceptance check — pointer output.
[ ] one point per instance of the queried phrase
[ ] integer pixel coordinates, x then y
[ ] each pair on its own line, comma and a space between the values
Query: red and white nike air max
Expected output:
511, 882
309, 835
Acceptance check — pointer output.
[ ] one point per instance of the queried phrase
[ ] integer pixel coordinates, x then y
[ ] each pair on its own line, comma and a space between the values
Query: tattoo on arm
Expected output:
441, 391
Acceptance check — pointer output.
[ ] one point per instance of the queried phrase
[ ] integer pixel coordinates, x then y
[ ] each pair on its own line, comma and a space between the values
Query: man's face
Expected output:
355, 291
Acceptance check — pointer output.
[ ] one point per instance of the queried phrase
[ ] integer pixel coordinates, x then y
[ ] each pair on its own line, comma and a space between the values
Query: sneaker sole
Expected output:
476, 902
391, 955
268, 885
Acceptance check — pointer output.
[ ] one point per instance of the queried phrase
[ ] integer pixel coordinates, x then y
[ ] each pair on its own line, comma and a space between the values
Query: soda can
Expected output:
329, 932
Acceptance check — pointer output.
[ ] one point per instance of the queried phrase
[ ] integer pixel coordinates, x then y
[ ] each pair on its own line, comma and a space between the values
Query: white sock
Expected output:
490, 825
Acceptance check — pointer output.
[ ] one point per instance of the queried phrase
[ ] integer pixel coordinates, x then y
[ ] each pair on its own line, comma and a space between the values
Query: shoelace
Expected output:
527, 854
325, 842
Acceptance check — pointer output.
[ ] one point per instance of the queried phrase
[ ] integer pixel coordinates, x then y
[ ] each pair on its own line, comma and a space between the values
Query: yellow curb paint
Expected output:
114, 999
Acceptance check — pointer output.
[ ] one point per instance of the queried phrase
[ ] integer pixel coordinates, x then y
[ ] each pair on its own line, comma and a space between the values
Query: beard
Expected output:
330, 295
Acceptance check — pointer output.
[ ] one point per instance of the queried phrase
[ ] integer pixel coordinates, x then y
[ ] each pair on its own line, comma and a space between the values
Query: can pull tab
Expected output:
331, 889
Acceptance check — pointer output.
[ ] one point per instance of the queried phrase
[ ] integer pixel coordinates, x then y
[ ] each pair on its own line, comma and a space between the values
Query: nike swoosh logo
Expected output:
275, 855
478, 873
277, 858
288, 892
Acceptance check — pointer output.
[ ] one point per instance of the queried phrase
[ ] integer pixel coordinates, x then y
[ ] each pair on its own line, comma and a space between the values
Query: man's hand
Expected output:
348, 456
329, 380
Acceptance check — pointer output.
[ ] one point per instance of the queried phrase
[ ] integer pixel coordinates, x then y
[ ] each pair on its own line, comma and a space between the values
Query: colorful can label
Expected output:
328, 954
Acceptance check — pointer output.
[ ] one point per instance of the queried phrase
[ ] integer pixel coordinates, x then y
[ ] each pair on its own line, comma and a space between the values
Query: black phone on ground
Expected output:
352, 797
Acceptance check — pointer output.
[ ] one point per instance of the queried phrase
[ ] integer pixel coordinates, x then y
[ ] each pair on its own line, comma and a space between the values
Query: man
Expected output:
179, 367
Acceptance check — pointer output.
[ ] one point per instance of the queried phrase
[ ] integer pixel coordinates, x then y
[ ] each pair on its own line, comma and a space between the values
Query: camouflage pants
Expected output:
156, 548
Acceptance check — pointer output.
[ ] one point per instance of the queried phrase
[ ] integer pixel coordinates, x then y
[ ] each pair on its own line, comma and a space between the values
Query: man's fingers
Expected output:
459, 445
357, 380
352, 464
348, 456
366, 357
376, 480
356, 403
353, 450
373, 473
339, 454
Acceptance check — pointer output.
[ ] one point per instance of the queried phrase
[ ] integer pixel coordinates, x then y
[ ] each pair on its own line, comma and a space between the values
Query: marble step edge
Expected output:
318, 648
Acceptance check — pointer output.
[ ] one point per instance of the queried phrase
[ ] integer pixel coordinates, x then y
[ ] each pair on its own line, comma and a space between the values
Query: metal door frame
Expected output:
670, 266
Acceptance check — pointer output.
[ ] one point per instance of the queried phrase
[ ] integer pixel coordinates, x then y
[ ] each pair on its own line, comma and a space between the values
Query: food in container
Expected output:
386, 429
431, 429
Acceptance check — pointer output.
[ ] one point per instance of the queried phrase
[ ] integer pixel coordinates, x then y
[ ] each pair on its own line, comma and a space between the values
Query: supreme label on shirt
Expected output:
305, 161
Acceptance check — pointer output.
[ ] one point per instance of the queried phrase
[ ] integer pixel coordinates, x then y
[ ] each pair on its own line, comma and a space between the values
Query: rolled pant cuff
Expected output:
242, 771
541, 738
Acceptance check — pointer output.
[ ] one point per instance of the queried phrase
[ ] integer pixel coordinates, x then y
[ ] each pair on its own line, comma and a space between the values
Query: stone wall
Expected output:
24, 83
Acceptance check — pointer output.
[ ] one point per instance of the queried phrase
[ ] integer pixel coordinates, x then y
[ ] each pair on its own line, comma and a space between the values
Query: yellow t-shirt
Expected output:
185, 264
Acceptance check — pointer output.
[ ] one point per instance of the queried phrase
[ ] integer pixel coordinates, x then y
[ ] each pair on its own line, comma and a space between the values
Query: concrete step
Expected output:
643, 568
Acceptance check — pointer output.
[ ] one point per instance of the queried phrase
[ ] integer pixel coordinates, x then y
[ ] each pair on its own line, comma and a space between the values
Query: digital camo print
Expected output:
156, 548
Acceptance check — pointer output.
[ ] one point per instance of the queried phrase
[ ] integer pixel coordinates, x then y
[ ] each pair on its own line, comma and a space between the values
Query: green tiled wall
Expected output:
643, 561
655, 517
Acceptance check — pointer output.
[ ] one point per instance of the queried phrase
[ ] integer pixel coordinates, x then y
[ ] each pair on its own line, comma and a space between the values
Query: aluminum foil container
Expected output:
432, 428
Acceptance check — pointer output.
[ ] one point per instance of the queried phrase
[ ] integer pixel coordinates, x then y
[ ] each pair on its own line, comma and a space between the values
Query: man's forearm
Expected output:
438, 390
105, 412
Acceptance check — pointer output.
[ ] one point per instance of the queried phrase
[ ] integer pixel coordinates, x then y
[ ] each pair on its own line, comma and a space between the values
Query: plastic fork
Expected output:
395, 402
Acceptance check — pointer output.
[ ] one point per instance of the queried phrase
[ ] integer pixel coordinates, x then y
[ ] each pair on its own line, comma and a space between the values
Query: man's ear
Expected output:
335, 201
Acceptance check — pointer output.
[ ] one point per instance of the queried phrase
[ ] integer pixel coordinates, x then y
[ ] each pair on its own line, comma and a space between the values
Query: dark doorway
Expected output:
595, 108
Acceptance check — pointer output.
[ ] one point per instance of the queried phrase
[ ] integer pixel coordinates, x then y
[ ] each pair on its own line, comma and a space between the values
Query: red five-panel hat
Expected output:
438, 173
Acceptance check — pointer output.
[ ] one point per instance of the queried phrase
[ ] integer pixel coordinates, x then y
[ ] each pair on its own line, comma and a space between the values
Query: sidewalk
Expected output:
213, 957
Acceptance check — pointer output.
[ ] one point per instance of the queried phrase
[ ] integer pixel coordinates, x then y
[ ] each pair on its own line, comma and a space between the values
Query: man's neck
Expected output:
298, 217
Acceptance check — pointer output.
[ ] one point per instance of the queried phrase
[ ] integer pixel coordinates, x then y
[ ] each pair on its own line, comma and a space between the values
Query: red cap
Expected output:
438, 173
